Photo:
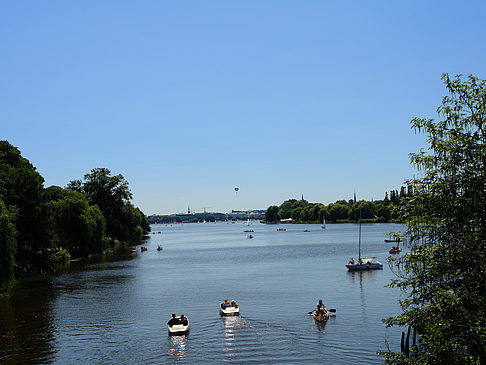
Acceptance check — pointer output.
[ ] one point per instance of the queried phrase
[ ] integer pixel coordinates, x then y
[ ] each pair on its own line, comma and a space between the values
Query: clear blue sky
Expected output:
188, 99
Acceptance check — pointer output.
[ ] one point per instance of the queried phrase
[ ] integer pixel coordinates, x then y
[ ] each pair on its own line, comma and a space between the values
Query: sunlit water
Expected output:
114, 310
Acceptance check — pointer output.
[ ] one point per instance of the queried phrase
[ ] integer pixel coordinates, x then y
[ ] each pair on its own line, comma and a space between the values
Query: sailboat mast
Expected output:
359, 237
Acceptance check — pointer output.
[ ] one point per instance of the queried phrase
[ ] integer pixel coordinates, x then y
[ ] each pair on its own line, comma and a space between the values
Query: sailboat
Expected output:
323, 222
364, 263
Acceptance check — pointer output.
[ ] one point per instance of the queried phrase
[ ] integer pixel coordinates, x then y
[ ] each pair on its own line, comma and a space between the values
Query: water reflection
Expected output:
177, 347
26, 325
320, 325
363, 277
231, 324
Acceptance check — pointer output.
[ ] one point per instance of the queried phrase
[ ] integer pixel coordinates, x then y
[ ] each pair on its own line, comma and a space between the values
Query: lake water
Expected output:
114, 310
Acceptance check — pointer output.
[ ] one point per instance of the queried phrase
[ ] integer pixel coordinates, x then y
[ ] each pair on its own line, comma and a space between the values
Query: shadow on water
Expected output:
26, 325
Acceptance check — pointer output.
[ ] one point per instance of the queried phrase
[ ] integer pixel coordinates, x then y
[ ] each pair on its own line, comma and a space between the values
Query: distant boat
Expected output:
229, 308
396, 239
395, 249
364, 263
281, 229
178, 325
323, 222
248, 222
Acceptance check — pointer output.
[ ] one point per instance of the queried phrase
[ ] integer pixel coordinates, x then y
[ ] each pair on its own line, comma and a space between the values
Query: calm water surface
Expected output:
114, 310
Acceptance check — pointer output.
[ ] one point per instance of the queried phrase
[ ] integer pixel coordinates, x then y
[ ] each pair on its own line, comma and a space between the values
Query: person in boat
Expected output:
173, 320
225, 304
233, 304
183, 320
321, 308
351, 261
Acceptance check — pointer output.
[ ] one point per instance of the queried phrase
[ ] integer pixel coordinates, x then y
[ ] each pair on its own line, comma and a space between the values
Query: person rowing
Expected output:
321, 308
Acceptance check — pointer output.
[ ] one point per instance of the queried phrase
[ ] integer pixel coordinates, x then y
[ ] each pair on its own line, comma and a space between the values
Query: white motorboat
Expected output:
178, 325
363, 263
229, 309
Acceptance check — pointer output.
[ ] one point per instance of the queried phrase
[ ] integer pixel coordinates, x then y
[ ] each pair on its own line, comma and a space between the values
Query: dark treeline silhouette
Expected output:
41, 226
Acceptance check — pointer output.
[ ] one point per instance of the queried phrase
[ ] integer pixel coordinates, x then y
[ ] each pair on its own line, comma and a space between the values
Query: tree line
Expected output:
342, 211
41, 226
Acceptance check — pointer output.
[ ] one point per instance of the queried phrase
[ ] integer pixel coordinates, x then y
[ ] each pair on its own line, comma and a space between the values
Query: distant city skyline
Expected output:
188, 100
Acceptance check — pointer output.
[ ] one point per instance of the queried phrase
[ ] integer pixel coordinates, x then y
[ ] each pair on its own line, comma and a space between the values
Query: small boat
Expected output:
248, 230
320, 316
143, 249
250, 236
394, 239
323, 222
396, 249
281, 229
133, 250
229, 308
178, 325
159, 248
364, 263
306, 230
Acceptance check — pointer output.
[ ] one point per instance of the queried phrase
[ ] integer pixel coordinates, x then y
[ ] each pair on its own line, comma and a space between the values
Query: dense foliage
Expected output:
301, 211
41, 226
445, 276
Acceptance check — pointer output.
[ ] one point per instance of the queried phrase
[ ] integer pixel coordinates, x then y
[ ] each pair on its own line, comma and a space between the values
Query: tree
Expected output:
337, 211
7, 245
80, 227
445, 276
112, 195
21, 187
367, 210
295, 214
271, 214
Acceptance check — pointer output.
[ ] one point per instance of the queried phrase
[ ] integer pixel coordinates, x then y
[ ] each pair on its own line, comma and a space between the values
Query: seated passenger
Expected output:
183, 320
321, 308
173, 320
351, 262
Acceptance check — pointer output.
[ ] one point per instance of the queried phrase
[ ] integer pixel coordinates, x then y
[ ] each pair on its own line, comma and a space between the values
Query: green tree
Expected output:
112, 195
445, 277
7, 245
21, 187
295, 214
271, 214
337, 211
285, 209
79, 226
368, 210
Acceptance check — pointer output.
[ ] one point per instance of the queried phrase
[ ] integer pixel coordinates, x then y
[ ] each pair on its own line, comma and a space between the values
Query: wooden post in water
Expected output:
407, 347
